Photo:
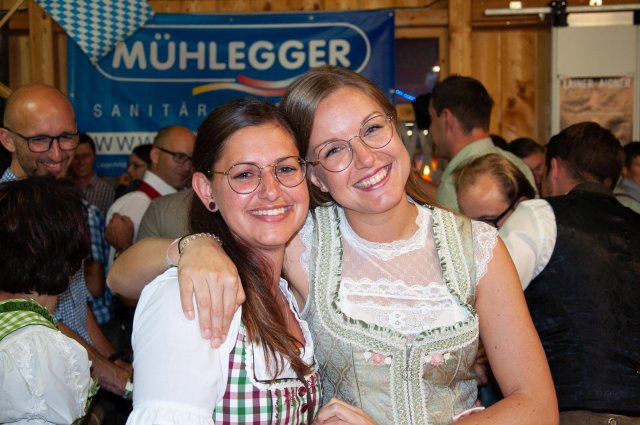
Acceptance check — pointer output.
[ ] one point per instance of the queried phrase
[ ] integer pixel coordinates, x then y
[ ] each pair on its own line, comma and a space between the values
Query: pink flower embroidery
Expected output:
437, 359
376, 359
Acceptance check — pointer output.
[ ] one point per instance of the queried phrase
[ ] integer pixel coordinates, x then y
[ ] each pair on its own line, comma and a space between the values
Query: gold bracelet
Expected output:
186, 240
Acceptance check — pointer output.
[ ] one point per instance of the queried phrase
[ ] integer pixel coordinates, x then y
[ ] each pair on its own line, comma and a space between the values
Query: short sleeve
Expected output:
530, 237
178, 377
306, 237
485, 239
43, 376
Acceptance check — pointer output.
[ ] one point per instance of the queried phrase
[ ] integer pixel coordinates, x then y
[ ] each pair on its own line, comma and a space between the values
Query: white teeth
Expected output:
373, 179
276, 211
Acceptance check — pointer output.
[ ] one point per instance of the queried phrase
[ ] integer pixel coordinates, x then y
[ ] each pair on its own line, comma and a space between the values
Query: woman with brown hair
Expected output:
249, 182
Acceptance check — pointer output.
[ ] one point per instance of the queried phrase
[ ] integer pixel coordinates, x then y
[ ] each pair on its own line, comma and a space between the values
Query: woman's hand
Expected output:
205, 270
337, 412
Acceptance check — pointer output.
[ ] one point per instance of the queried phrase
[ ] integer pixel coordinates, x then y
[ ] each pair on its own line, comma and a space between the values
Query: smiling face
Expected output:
38, 109
269, 216
374, 181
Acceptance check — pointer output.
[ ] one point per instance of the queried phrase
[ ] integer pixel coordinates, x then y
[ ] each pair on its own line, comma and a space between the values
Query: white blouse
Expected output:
178, 377
44, 377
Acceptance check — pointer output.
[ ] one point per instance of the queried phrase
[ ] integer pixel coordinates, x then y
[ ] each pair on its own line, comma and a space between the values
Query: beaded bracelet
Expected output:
186, 240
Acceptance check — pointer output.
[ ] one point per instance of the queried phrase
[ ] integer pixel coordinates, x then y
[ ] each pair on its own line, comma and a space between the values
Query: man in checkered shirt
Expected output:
40, 131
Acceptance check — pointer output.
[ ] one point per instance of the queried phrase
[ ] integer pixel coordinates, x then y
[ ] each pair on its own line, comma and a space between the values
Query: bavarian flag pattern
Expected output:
98, 25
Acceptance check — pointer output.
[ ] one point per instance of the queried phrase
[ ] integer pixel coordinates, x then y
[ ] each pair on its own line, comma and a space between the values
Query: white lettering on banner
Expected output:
120, 143
153, 55
185, 55
135, 110
261, 54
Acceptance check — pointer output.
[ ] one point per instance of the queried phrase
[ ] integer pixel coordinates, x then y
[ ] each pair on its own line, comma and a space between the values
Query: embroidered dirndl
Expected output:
278, 401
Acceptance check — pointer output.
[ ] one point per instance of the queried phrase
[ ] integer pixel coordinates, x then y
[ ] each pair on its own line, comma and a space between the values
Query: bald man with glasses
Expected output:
170, 171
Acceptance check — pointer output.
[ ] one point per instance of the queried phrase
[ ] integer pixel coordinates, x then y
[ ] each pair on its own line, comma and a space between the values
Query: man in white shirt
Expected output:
170, 171
578, 255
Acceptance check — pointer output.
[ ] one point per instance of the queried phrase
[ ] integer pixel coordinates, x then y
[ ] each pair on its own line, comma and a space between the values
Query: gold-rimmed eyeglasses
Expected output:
245, 177
336, 155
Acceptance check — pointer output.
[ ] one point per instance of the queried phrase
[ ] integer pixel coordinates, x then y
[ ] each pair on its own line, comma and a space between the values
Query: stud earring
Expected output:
212, 206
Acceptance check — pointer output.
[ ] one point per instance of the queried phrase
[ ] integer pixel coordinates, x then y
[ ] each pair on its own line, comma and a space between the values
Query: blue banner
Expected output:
178, 68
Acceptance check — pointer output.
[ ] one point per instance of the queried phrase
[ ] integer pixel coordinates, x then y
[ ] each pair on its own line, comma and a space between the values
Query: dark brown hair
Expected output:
522, 147
302, 99
44, 235
588, 151
264, 324
466, 98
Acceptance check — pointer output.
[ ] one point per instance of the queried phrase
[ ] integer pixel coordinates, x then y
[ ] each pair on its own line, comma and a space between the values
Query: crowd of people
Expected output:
284, 264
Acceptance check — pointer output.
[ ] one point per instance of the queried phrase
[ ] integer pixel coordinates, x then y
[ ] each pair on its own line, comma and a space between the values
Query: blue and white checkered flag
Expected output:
98, 25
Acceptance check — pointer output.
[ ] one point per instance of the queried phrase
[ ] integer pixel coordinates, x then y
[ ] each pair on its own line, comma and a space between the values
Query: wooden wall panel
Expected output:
518, 70
543, 86
460, 37
485, 59
513, 64
41, 43
19, 59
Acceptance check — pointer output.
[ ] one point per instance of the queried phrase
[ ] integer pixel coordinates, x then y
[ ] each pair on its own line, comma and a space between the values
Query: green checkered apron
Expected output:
279, 401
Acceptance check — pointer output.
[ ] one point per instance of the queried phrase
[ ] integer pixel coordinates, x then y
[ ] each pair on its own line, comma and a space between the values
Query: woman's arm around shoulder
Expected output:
514, 350
204, 269
137, 266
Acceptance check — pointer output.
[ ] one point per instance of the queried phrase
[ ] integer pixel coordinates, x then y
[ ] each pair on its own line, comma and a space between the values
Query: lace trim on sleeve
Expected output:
306, 235
485, 239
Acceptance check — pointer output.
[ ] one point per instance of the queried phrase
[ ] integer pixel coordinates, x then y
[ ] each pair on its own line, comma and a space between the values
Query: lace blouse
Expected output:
399, 285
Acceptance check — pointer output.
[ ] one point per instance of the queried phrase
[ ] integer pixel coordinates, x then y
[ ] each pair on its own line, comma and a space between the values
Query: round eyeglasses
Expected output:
336, 155
245, 177
42, 142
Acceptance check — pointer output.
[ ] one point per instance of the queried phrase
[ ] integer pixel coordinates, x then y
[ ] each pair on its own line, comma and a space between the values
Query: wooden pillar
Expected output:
460, 37
41, 40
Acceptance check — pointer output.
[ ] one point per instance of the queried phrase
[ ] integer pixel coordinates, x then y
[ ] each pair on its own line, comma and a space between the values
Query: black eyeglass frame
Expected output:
389, 119
179, 157
494, 221
303, 167
30, 139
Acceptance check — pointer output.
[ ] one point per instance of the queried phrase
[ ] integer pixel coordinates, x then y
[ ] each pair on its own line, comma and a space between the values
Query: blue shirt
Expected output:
102, 306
